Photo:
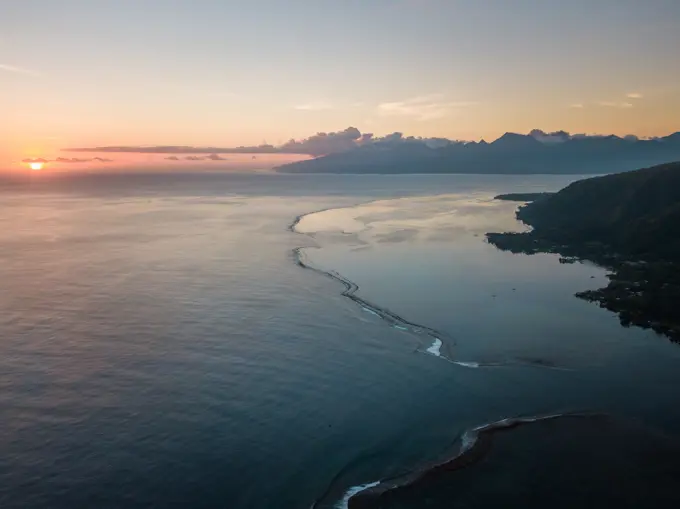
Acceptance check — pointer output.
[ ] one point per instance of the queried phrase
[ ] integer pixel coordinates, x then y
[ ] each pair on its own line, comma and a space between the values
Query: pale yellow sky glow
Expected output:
457, 69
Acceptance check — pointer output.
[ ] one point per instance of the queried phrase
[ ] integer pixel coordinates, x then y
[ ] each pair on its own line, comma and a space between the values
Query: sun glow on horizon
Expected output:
36, 165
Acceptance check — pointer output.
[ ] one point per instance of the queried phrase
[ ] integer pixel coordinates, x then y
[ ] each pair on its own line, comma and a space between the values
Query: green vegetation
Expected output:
628, 223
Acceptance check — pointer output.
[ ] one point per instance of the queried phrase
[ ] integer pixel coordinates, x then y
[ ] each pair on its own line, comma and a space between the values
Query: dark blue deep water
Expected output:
160, 347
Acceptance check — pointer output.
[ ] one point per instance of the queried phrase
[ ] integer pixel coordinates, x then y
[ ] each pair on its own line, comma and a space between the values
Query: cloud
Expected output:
612, 104
211, 157
178, 149
318, 144
437, 142
548, 138
314, 106
68, 160
324, 143
18, 70
562, 136
365, 138
395, 137
426, 107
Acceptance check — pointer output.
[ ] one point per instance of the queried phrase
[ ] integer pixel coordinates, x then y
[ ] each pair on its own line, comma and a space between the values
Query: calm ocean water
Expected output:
160, 347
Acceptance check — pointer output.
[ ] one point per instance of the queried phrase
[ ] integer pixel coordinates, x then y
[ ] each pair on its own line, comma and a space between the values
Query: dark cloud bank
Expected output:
68, 160
211, 157
319, 144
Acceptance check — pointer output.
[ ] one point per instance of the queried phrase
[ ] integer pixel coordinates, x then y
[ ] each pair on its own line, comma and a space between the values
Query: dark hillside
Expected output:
627, 222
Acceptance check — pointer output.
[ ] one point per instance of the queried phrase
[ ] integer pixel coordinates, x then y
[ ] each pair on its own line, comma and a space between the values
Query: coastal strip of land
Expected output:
628, 223
560, 461
525, 197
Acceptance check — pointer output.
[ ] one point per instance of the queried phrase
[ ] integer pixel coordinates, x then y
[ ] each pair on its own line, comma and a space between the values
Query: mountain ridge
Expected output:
511, 153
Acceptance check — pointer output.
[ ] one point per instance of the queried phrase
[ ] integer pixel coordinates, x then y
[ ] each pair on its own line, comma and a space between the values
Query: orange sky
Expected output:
232, 73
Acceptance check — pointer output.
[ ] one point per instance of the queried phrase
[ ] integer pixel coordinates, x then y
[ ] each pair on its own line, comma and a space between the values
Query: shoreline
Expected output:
625, 222
634, 284
474, 446
585, 459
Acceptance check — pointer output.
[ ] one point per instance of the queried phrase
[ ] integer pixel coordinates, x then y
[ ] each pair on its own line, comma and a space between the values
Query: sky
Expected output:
243, 72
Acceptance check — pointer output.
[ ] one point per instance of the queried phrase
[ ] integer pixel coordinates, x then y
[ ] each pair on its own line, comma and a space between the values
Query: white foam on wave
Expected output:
400, 327
436, 348
369, 310
468, 440
470, 364
344, 503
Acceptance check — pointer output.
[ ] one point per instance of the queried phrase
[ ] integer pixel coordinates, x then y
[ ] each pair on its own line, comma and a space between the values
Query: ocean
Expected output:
234, 340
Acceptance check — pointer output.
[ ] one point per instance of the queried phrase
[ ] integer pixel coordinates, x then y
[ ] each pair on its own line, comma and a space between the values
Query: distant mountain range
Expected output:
533, 153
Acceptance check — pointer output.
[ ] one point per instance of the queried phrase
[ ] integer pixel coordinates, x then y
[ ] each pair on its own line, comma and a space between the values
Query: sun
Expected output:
35, 166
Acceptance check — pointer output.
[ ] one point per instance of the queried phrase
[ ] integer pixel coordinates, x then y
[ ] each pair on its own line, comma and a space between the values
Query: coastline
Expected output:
625, 222
561, 461
522, 197
635, 288
474, 445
